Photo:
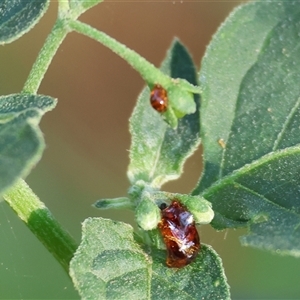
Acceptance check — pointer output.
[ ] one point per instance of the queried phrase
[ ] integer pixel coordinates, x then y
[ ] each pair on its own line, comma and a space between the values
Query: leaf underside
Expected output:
18, 17
250, 122
110, 264
21, 141
157, 151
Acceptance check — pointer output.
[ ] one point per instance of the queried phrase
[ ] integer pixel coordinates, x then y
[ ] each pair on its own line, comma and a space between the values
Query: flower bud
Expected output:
147, 213
198, 206
201, 209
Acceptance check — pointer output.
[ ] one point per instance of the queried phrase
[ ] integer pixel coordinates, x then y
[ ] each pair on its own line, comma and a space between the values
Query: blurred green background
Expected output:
88, 140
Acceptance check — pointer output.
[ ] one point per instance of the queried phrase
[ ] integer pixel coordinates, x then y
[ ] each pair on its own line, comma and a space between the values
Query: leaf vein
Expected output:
266, 199
249, 167
285, 125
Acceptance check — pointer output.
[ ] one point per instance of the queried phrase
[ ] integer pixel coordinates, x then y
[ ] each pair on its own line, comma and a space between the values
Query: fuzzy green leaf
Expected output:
157, 151
110, 264
21, 141
18, 17
250, 122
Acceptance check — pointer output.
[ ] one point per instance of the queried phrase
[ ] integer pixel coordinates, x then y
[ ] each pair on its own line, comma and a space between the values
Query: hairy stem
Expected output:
45, 57
147, 70
63, 5
41, 222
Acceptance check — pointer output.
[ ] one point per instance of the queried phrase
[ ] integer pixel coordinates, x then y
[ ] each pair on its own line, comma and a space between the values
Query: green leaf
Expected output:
250, 121
18, 17
157, 151
21, 141
78, 7
110, 264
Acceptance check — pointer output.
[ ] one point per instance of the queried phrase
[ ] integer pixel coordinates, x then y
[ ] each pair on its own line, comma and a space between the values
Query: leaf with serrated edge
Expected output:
18, 17
110, 264
157, 151
21, 141
251, 102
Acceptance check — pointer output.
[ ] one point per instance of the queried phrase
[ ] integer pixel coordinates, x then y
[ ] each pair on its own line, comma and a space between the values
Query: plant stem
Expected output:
20, 197
147, 70
53, 41
115, 203
63, 5
40, 221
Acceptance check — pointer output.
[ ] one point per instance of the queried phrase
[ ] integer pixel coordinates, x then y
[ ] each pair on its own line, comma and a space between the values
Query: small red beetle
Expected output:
159, 98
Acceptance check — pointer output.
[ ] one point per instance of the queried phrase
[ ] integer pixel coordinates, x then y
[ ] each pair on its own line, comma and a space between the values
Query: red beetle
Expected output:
180, 235
159, 98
